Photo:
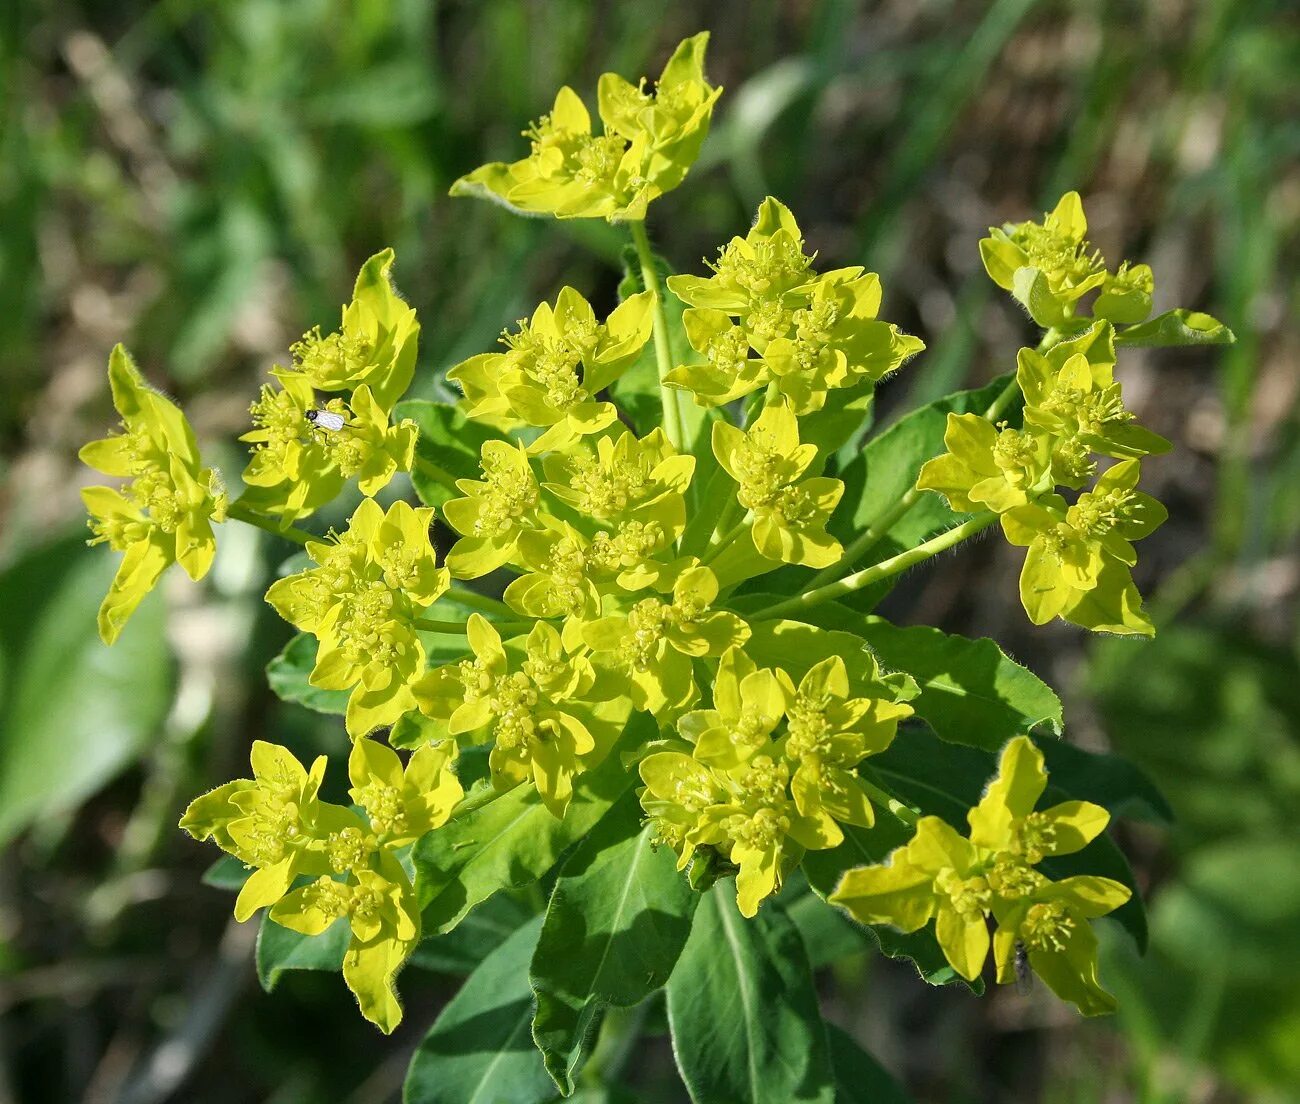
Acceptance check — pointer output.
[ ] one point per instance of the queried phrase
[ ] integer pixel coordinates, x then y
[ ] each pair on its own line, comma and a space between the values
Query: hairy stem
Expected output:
673, 425
882, 570
239, 512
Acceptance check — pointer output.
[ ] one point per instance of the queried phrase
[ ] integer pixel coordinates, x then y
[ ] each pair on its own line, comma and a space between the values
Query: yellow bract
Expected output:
276, 824
765, 316
768, 771
303, 450
361, 603
164, 514
1079, 558
649, 143
960, 882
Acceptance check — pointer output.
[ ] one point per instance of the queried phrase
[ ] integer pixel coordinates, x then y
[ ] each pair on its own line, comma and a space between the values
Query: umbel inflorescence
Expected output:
686, 590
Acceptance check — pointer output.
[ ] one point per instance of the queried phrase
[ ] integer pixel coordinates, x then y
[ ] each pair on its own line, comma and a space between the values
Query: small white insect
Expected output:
326, 419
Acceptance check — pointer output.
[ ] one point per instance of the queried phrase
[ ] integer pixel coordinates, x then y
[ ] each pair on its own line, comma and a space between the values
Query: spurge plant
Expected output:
635, 726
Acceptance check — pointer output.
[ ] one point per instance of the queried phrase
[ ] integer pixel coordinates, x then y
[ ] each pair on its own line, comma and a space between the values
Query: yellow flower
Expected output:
555, 366
361, 603
630, 495
961, 882
528, 711
495, 511
759, 793
384, 917
275, 823
648, 145
828, 733
988, 468
652, 643
375, 346
1078, 559
164, 515
789, 513
303, 454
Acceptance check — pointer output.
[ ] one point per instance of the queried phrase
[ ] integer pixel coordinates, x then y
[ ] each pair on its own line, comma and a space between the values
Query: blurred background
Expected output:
202, 181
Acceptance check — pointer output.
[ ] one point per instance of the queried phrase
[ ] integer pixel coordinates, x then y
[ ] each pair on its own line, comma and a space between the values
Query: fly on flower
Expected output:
329, 420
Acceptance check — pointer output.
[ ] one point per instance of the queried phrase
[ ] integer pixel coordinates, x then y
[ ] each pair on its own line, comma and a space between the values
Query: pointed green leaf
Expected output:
743, 1009
287, 676
479, 1050
618, 918
971, 692
279, 949
1177, 329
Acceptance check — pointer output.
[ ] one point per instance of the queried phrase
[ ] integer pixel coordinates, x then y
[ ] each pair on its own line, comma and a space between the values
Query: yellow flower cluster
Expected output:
276, 823
962, 882
164, 514
1080, 552
621, 599
768, 772
766, 318
650, 141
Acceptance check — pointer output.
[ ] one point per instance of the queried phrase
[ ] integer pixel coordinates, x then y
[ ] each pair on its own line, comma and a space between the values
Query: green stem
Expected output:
882, 570
618, 1035
439, 475
457, 628
886, 800
669, 396
866, 540
720, 545
472, 599
869, 537
239, 512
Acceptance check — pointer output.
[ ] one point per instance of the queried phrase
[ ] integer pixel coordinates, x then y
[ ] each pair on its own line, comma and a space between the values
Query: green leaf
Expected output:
279, 949
827, 932
1106, 780
461, 950
511, 840
859, 1078
479, 1050
743, 1009
447, 448
618, 918
76, 712
848, 411
865, 847
797, 647
1177, 328
226, 873
287, 676
971, 693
